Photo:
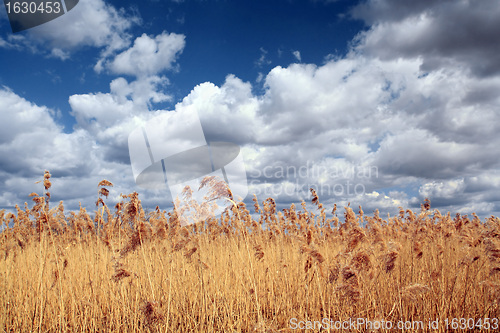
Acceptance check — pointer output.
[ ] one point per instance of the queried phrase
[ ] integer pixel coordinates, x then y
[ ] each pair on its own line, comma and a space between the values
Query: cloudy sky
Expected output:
379, 103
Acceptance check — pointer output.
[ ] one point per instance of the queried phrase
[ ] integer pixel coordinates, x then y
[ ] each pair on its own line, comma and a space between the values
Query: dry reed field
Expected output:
249, 270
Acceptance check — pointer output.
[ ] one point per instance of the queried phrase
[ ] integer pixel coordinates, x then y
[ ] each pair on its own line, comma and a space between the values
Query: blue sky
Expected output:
406, 88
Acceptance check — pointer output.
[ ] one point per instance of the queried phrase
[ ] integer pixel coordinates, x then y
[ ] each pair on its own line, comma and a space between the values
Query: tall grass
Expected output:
129, 271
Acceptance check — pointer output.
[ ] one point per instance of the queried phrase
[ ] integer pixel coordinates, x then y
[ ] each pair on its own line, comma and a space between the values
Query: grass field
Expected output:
126, 271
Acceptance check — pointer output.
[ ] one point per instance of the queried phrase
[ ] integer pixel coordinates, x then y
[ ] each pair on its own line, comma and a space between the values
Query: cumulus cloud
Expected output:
227, 113
32, 141
321, 100
110, 117
447, 190
148, 56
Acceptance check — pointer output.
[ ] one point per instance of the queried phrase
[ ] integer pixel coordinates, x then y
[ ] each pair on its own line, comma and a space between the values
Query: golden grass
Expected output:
129, 271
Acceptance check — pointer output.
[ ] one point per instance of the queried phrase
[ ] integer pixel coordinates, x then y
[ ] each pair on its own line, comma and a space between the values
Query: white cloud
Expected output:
58, 53
320, 100
297, 56
32, 141
447, 190
20, 118
148, 56
110, 117
227, 113
262, 61
98, 111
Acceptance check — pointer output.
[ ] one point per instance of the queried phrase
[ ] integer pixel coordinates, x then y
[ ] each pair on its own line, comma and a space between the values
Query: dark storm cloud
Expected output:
372, 11
441, 32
